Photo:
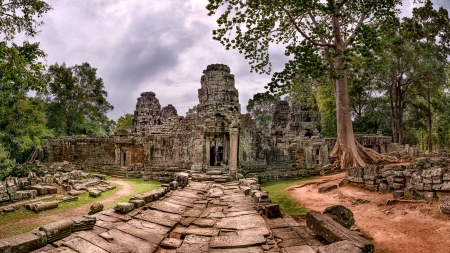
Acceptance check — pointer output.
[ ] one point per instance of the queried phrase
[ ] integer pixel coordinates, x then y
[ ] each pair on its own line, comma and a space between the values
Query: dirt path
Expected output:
44, 218
400, 228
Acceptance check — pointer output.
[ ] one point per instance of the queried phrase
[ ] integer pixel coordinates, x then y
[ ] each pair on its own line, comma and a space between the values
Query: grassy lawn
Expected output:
278, 194
139, 187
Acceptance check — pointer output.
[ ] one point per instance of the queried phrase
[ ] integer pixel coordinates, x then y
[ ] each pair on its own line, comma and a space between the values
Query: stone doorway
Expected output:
217, 146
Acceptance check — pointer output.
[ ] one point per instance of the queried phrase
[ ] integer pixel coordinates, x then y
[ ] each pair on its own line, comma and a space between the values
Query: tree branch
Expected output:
298, 28
360, 22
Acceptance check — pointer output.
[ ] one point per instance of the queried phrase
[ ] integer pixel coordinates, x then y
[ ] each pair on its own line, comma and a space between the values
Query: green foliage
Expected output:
125, 122
279, 195
22, 122
6, 164
76, 101
261, 108
18, 16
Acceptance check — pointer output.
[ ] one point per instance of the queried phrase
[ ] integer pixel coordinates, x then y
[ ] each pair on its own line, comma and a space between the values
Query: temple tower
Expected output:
220, 111
147, 113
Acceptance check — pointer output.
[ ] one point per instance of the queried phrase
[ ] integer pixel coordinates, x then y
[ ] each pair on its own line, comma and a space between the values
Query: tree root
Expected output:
366, 156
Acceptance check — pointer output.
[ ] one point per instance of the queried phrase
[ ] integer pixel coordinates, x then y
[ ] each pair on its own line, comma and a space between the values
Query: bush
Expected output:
6, 164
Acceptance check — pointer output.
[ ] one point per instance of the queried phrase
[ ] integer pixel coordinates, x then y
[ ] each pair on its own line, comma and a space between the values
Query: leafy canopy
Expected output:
18, 16
317, 34
76, 100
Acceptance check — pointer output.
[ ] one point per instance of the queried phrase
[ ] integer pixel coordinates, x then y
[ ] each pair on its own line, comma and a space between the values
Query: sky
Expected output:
147, 45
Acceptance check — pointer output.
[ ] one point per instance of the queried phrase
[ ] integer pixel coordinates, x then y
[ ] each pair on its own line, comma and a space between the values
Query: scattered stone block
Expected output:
51, 189
9, 209
341, 247
69, 198
272, 210
137, 202
26, 242
445, 206
94, 193
429, 195
341, 215
81, 223
327, 187
42, 206
96, 207
173, 185
75, 193
183, 179
40, 190
330, 230
124, 207
57, 230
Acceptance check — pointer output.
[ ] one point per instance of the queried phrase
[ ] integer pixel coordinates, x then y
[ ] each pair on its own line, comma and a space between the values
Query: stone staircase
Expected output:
218, 174
121, 173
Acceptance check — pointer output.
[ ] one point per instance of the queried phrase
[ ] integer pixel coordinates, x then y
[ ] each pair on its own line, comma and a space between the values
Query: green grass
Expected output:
279, 194
139, 187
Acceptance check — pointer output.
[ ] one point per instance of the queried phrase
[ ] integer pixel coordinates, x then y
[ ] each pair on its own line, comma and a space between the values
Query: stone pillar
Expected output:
208, 151
234, 137
198, 146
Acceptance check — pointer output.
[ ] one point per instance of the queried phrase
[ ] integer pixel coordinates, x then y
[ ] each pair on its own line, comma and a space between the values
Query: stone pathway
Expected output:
202, 217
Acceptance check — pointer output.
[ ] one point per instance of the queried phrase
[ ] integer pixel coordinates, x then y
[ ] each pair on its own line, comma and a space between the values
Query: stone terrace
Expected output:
202, 217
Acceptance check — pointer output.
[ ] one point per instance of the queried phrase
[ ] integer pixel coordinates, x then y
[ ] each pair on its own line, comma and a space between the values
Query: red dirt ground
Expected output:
399, 228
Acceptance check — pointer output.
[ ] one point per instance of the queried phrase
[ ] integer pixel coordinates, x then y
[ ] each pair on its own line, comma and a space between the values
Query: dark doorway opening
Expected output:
212, 158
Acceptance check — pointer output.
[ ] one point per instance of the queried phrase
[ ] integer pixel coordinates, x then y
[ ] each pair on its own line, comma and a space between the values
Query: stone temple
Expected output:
215, 142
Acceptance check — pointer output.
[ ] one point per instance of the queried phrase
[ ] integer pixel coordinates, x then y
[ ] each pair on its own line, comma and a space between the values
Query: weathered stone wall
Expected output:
424, 178
215, 140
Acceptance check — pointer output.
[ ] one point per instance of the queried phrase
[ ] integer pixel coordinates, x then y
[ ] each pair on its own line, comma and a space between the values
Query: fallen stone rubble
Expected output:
49, 233
15, 189
202, 217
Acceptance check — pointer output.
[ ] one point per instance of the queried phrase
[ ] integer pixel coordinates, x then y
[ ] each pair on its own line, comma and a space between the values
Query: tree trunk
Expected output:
345, 144
430, 129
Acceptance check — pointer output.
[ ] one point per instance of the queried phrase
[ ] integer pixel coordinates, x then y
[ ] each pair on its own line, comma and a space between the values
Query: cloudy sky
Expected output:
148, 45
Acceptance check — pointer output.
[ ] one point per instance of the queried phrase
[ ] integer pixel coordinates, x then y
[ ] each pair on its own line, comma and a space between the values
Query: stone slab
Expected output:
232, 214
236, 241
332, 231
276, 223
253, 231
171, 243
340, 247
160, 218
240, 250
201, 231
102, 243
81, 245
26, 242
193, 243
142, 234
167, 207
192, 213
291, 242
204, 222
135, 244
298, 249
149, 226
241, 222
188, 194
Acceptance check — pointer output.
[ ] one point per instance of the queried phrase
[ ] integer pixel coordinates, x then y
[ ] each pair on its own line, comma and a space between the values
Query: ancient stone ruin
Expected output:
215, 143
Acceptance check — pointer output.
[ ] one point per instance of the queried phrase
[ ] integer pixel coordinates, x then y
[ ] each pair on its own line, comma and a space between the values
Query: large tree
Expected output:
18, 16
22, 122
76, 100
261, 108
320, 35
